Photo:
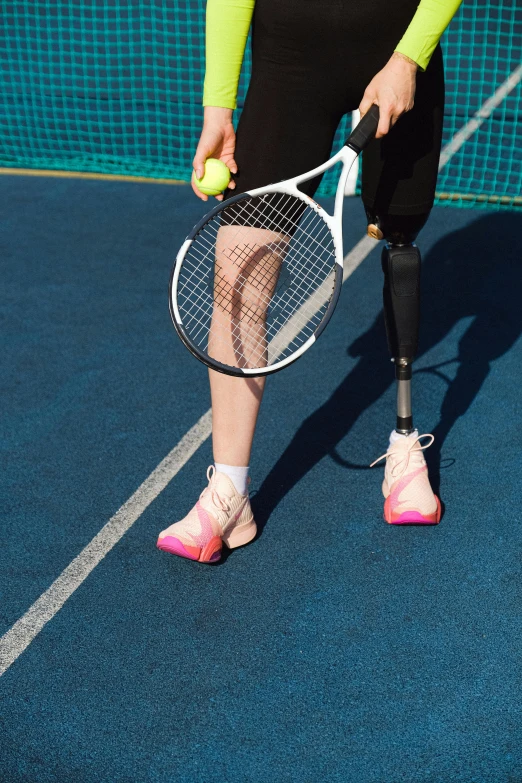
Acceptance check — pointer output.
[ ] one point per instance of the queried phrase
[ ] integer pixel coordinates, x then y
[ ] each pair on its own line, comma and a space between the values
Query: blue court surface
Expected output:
333, 648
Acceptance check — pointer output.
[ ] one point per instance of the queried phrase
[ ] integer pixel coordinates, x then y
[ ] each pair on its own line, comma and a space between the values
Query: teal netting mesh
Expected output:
115, 87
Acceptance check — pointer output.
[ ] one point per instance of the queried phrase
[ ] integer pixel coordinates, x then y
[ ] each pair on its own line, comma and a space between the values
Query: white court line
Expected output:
22, 633
317, 299
357, 255
478, 118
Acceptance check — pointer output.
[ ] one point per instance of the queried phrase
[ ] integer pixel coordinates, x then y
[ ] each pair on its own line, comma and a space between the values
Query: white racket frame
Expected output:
347, 156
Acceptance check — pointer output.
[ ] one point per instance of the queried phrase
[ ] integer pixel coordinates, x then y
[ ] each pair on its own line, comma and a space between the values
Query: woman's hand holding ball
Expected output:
214, 158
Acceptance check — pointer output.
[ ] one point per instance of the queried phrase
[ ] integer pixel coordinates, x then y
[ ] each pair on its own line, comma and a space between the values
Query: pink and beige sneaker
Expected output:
221, 515
410, 499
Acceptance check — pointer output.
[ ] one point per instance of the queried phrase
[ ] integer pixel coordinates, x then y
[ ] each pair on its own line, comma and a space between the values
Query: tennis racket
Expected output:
258, 278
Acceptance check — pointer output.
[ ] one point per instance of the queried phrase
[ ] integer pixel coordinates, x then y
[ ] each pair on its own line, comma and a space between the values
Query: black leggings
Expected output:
312, 60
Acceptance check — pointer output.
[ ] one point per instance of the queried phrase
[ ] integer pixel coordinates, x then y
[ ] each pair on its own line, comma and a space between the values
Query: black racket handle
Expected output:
364, 131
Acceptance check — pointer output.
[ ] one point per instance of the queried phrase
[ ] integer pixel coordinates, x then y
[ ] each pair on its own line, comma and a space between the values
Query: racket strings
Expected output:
298, 246
236, 330
247, 286
248, 295
260, 212
254, 214
264, 274
242, 295
287, 308
304, 321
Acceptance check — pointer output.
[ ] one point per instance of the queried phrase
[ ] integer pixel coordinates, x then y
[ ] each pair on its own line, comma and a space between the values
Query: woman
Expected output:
313, 61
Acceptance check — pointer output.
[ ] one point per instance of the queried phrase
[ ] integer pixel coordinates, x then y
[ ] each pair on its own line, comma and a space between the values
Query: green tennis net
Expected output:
115, 87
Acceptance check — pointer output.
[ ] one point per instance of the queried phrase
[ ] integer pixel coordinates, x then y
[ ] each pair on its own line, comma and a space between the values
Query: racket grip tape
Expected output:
364, 131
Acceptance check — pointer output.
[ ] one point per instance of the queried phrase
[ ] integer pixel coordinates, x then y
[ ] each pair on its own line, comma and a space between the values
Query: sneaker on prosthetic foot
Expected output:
410, 499
221, 515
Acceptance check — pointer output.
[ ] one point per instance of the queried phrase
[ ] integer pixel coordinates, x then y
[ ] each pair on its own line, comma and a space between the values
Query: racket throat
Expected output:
347, 159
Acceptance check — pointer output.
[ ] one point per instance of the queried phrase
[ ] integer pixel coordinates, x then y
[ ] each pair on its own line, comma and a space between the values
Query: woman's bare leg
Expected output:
235, 405
248, 261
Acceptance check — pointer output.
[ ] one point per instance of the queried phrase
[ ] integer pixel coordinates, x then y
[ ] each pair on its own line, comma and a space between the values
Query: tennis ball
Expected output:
215, 179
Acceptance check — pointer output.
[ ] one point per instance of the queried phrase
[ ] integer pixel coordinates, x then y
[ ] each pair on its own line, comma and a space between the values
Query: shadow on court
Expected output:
473, 272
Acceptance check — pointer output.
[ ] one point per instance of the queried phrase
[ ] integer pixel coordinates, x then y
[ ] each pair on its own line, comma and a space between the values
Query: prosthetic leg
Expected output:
401, 264
409, 498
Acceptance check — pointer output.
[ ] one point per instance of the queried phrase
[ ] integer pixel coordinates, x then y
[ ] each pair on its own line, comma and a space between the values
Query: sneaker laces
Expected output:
220, 503
401, 457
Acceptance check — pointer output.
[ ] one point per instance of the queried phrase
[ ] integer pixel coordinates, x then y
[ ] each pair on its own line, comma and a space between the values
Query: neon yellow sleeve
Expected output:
228, 23
426, 28
227, 26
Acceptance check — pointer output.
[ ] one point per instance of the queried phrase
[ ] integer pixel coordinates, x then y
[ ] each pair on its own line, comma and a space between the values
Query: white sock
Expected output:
395, 436
238, 476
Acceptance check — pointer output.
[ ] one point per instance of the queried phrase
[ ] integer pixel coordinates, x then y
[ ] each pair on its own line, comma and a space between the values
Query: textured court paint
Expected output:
333, 629
14, 642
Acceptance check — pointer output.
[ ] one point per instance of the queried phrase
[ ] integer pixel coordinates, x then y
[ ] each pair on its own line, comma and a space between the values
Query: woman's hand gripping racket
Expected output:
257, 279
